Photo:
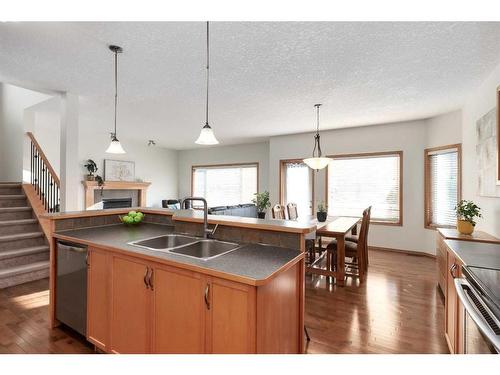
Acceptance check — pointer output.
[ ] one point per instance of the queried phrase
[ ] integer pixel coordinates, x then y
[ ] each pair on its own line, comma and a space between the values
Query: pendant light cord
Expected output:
208, 74
116, 86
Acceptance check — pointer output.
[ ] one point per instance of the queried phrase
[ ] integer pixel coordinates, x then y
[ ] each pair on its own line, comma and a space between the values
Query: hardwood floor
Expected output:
24, 323
397, 310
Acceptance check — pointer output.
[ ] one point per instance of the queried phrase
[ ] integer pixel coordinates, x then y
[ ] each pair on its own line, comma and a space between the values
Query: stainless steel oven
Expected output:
477, 292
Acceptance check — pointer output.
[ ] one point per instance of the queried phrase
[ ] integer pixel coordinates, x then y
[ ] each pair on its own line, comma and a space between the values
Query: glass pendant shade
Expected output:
115, 147
207, 136
317, 163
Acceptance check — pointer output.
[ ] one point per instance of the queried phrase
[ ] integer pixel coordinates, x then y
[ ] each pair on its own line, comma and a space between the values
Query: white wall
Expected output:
482, 100
157, 165
246, 153
445, 129
13, 101
410, 137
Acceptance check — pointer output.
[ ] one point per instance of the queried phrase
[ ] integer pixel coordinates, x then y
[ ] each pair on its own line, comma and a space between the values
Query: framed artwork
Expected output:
119, 170
486, 154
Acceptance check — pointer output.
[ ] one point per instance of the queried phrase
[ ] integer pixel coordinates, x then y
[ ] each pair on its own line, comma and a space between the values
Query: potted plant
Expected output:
91, 167
321, 214
466, 212
262, 202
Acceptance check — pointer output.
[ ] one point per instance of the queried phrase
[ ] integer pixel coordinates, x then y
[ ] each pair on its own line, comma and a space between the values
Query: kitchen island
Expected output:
140, 300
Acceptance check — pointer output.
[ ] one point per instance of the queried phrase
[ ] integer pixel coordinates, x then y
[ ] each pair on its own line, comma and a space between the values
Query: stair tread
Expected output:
10, 184
17, 222
12, 196
20, 236
14, 209
23, 251
25, 268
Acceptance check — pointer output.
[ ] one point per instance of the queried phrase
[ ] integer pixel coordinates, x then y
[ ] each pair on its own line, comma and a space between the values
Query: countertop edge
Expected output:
191, 267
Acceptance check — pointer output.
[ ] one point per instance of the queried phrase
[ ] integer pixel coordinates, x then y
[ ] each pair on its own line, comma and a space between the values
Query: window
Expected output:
297, 186
442, 185
225, 185
355, 182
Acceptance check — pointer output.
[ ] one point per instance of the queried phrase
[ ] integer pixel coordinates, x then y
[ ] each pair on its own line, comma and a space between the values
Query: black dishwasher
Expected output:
71, 286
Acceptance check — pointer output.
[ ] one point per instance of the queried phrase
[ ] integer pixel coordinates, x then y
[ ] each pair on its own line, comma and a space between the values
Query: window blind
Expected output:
298, 187
227, 185
443, 174
356, 182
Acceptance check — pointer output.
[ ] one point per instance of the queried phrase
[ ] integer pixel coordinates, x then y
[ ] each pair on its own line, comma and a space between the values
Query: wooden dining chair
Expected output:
355, 238
278, 212
356, 250
292, 211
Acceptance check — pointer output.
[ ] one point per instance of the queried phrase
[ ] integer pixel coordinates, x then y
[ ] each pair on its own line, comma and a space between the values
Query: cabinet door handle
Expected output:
146, 278
207, 292
453, 268
150, 278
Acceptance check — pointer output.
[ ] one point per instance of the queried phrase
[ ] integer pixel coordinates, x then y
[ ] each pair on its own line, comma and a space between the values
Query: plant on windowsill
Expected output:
91, 167
466, 212
262, 202
322, 212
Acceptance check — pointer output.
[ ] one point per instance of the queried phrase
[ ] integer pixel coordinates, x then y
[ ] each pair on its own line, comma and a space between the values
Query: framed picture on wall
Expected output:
498, 135
119, 170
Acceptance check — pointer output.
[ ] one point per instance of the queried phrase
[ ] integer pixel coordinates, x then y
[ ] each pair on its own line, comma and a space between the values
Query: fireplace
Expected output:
116, 203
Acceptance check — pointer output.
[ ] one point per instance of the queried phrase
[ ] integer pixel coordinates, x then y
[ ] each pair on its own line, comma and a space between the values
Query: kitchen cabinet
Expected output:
231, 317
451, 305
138, 305
130, 311
98, 306
179, 311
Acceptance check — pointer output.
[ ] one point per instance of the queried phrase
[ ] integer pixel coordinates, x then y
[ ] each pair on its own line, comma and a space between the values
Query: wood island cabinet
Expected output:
130, 307
141, 306
179, 311
98, 302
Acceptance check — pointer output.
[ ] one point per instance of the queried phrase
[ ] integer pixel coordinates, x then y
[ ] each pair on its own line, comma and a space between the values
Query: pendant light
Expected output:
115, 147
207, 136
317, 161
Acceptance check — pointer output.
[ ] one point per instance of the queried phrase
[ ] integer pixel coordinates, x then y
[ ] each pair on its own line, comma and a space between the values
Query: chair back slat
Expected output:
278, 212
292, 211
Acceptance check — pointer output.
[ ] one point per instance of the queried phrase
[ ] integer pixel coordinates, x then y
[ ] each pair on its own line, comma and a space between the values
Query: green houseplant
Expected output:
91, 167
466, 212
321, 214
262, 202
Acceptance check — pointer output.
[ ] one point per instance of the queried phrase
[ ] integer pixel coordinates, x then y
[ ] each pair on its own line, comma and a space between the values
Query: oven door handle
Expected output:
475, 315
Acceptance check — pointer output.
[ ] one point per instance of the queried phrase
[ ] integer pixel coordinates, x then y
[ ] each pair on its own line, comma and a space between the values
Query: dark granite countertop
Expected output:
477, 254
251, 263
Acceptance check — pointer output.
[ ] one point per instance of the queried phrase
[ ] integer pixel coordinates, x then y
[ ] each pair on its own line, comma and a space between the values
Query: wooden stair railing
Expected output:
43, 177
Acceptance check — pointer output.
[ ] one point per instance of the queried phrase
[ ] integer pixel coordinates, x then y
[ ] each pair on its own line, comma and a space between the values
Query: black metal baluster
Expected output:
31, 163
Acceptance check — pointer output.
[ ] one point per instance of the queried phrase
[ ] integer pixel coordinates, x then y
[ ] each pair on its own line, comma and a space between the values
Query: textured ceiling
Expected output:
266, 76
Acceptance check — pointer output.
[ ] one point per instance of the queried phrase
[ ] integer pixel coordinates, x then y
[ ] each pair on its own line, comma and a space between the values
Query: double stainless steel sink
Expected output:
189, 246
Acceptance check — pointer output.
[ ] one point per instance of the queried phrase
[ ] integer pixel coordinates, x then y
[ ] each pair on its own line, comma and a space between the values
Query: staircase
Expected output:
24, 250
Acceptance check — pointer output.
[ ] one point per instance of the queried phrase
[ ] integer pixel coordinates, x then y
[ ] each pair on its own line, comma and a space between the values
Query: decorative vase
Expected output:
261, 215
90, 177
465, 227
321, 216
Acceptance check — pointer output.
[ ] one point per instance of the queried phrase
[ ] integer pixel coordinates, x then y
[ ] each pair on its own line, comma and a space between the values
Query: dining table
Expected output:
334, 227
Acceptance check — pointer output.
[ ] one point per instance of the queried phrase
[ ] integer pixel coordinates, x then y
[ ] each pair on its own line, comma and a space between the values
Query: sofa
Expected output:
244, 210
